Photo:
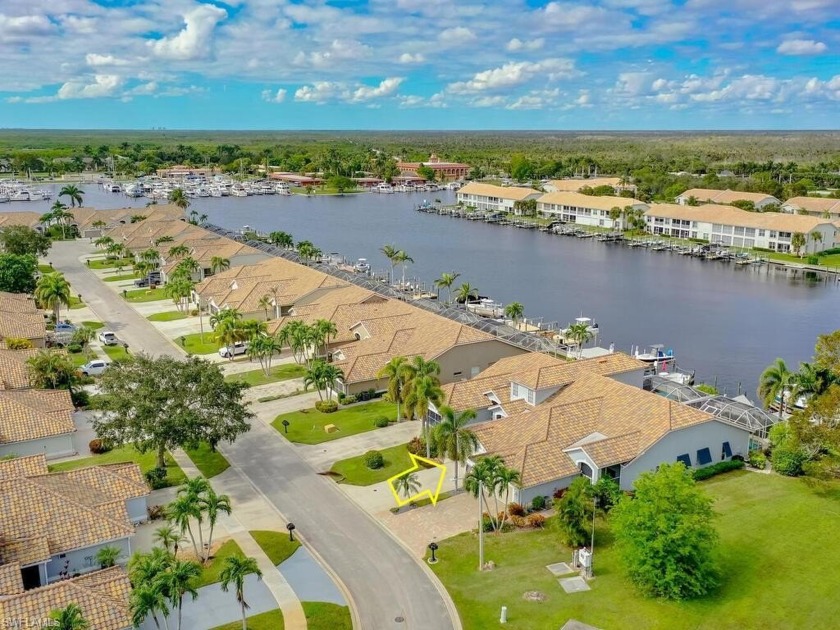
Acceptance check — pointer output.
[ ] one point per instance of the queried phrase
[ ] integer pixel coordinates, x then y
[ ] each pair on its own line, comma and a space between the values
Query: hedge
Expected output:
715, 469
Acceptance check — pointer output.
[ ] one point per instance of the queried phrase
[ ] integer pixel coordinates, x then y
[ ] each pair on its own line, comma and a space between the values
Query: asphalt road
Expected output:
385, 582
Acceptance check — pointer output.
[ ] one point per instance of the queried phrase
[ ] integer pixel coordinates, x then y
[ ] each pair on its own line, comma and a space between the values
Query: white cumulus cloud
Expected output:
458, 35
801, 47
385, 88
516, 44
103, 85
270, 96
95, 60
12, 27
515, 73
409, 58
325, 91
194, 40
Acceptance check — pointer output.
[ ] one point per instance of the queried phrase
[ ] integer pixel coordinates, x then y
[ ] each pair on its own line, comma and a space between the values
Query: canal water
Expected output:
725, 321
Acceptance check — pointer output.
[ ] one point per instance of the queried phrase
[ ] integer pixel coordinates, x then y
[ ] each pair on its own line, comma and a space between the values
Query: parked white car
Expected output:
94, 368
240, 347
108, 338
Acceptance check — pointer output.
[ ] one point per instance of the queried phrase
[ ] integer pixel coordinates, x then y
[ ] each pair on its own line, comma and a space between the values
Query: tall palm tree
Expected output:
235, 570
265, 303
515, 310
187, 266
178, 581
580, 334
465, 293
178, 251
482, 483
407, 485
181, 512
390, 253
325, 330
446, 281
505, 478
69, 618
51, 291
73, 193
394, 371
169, 537
332, 376
424, 390
452, 437
403, 259
774, 383
262, 348
213, 505
816, 237
146, 599
179, 198
219, 263
58, 213
314, 377
195, 489
179, 288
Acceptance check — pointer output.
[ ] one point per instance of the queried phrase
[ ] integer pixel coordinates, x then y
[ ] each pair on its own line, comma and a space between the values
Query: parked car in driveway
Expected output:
108, 338
65, 327
240, 347
94, 368
141, 282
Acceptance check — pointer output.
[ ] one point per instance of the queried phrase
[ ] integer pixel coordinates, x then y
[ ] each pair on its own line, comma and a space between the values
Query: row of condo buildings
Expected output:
714, 221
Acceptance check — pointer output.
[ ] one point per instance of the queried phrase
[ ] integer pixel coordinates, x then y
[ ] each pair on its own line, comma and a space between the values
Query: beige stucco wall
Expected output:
459, 363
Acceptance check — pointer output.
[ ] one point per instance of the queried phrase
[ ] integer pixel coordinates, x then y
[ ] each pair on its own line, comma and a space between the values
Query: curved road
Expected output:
384, 580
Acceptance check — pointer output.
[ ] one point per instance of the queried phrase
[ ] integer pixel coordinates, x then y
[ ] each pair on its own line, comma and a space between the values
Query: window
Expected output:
726, 451
456, 373
704, 456
685, 459
531, 397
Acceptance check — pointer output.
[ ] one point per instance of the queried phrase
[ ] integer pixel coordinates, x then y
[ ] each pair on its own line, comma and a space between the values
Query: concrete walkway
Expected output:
322, 456
250, 508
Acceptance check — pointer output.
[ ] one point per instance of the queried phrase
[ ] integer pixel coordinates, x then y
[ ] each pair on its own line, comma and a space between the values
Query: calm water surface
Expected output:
724, 321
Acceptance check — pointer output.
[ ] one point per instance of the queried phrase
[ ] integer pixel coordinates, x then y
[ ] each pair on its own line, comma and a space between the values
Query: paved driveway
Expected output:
384, 581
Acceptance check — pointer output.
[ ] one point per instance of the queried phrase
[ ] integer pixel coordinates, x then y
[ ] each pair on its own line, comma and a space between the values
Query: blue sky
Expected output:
420, 64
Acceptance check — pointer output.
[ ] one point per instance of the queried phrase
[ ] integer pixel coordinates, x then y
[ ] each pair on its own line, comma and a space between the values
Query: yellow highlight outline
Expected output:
416, 460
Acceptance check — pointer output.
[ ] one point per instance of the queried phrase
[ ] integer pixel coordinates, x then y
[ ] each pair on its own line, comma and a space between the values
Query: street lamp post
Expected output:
433, 547
285, 424
291, 528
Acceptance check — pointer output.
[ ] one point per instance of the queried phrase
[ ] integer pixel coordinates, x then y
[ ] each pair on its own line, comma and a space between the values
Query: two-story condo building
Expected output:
709, 195
492, 198
573, 207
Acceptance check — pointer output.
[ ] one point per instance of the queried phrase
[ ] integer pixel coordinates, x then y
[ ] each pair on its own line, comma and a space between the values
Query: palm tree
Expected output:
262, 348
422, 391
178, 251
403, 259
774, 383
73, 193
107, 556
281, 239
181, 511
811, 380
51, 291
446, 281
69, 618
265, 303
301, 339
219, 263
466, 292
179, 198
187, 266
213, 505
407, 485
505, 478
797, 242
58, 213
194, 490
49, 369
160, 240
515, 310
390, 253
223, 314
324, 330
103, 242
580, 334
179, 288
314, 377
482, 483
148, 599
235, 570
178, 581
169, 537
816, 237
452, 438
307, 251
332, 376
394, 371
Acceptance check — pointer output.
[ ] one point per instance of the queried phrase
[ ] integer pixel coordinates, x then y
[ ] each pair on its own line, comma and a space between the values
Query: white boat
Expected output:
486, 307
114, 188
4, 198
282, 188
656, 355
19, 195
383, 188
361, 266
238, 191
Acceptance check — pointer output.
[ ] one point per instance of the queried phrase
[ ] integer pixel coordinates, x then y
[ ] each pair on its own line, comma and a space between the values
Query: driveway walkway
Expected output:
322, 456
383, 579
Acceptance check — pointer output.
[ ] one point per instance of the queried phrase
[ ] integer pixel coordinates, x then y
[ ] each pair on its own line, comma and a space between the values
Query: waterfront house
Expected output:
727, 225
824, 207
36, 421
598, 426
204, 250
20, 318
84, 218
573, 207
576, 184
708, 195
102, 596
53, 524
444, 171
491, 198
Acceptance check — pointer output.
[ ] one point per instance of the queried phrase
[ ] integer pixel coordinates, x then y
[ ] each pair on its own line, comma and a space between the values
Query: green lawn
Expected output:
209, 463
76, 303
194, 345
326, 616
210, 572
779, 552
356, 473
46, 268
94, 325
307, 426
116, 353
136, 296
120, 278
278, 373
276, 545
80, 358
109, 263
175, 476
271, 620
168, 316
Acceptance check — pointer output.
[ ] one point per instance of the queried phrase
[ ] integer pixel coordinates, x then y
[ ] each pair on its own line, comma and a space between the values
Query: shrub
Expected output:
381, 422
372, 393
518, 521
74, 348
813, 260
326, 406
716, 469
707, 389
97, 446
156, 512
536, 520
558, 494
156, 478
348, 400
417, 446
80, 398
757, 459
787, 461
486, 523
341, 397
374, 460
18, 343
515, 509
538, 503
194, 312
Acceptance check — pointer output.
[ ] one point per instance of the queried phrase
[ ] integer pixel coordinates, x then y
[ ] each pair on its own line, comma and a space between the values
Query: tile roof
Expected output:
17, 303
27, 218
725, 196
574, 185
20, 317
612, 422
579, 200
11, 580
729, 215
24, 466
29, 414
815, 204
86, 217
102, 597
14, 371
502, 192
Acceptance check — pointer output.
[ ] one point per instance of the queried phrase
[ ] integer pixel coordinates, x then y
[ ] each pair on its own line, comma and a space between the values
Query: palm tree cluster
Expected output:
323, 376
51, 291
281, 239
778, 386
579, 333
195, 504
452, 438
490, 478
396, 257
180, 284
307, 251
69, 618
58, 215
160, 582
49, 369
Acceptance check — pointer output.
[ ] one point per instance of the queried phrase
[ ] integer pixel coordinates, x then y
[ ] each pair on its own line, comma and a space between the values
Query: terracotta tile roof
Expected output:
724, 196
27, 218
97, 485
24, 551
14, 371
610, 421
579, 200
86, 217
102, 597
815, 204
28, 414
17, 303
11, 580
502, 192
25, 466
729, 215
568, 371
22, 325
